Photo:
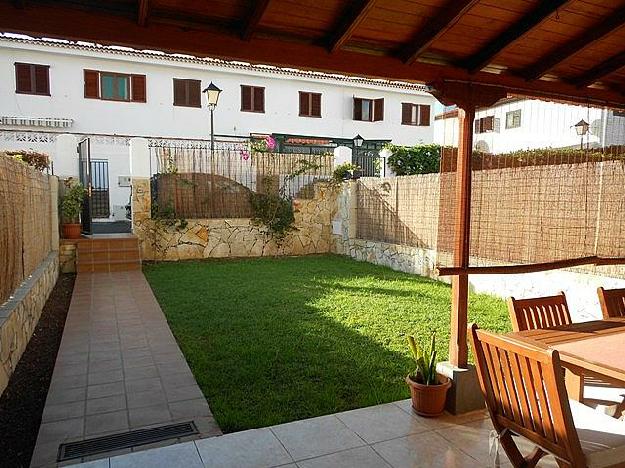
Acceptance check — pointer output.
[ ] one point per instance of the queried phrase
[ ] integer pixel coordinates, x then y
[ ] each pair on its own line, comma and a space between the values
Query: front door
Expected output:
84, 171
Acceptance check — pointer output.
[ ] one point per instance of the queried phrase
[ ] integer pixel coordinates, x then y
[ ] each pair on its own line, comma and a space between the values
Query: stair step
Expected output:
112, 255
108, 266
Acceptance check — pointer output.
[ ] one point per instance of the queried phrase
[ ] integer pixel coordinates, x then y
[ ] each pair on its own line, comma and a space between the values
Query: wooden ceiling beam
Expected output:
447, 17
353, 18
256, 15
142, 13
202, 40
588, 37
614, 63
532, 19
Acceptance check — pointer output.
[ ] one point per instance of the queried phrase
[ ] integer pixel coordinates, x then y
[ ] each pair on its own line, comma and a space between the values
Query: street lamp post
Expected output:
358, 141
581, 128
212, 96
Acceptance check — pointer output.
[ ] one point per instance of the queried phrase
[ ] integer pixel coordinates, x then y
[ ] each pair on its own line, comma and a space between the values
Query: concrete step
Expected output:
104, 255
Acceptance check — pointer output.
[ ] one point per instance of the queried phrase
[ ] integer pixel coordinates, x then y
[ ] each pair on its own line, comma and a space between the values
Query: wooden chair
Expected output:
612, 302
525, 396
539, 312
553, 311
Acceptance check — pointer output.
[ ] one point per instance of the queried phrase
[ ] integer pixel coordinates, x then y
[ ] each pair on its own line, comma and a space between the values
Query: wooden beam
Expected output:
347, 27
142, 13
531, 268
606, 67
448, 16
204, 40
20, 4
588, 37
507, 37
251, 25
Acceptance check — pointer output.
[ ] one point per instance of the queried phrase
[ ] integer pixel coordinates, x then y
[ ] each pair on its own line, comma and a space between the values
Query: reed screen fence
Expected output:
25, 229
191, 181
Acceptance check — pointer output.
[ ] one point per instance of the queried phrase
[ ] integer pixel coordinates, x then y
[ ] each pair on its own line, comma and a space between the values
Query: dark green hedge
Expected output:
411, 160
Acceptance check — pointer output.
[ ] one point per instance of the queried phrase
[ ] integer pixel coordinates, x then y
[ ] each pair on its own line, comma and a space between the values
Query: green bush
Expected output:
411, 160
71, 203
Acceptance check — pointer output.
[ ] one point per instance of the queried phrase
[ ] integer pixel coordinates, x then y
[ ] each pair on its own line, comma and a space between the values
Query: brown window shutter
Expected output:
23, 82
42, 79
424, 115
195, 93
488, 124
357, 109
179, 93
259, 99
92, 85
406, 114
304, 108
137, 88
246, 98
315, 110
378, 109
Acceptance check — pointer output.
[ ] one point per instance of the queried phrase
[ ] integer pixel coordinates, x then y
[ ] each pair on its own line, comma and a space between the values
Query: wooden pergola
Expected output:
471, 52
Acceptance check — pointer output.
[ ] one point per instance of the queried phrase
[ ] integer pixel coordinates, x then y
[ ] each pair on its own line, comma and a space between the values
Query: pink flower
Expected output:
245, 155
271, 143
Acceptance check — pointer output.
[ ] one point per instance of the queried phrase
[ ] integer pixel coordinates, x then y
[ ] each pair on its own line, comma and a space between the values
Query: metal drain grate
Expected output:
87, 447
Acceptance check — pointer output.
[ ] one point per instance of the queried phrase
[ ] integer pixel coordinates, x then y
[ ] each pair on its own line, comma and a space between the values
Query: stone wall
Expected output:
67, 255
217, 238
579, 284
20, 314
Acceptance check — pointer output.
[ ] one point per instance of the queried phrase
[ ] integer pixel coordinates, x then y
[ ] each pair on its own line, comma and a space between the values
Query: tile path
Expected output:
384, 436
118, 368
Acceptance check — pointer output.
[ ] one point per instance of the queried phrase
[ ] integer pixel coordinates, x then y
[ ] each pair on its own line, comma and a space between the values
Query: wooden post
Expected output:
467, 96
458, 352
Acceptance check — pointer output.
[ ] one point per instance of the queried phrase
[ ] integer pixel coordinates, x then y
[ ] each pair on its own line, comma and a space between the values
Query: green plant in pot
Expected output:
71, 205
428, 389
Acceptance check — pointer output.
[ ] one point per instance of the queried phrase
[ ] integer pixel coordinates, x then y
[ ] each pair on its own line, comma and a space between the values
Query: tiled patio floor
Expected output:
383, 436
118, 368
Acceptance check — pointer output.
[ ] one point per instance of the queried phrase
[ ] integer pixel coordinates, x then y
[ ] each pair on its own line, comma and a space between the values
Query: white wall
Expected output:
543, 125
158, 117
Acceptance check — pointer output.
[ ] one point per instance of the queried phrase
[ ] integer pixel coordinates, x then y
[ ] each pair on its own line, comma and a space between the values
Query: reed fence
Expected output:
25, 226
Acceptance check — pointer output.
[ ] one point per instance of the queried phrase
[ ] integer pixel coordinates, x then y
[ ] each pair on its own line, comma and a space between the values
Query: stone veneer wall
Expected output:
217, 238
20, 314
67, 255
579, 284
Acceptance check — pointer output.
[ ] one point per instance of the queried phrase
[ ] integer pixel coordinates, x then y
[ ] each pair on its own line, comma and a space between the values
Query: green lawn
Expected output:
273, 340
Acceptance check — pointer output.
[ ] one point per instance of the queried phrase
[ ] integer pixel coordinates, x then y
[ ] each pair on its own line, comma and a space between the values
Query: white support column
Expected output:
342, 155
65, 157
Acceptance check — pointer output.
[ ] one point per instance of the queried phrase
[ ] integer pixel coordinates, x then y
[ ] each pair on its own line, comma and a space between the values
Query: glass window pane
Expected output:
366, 109
108, 82
122, 88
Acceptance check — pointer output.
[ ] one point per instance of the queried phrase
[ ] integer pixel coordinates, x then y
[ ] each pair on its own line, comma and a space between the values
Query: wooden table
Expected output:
595, 349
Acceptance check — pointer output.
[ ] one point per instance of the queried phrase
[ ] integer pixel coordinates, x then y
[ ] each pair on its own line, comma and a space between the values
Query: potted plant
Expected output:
428, 389
71, 204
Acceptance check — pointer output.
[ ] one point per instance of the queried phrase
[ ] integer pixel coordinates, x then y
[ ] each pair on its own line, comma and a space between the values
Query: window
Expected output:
111, 86
32, 79
415, 114
487, 124
369, 110
252, 99
187, 93
513, 119
309, 104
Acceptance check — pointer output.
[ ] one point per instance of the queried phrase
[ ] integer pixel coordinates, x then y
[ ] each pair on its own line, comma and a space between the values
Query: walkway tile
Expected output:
118, 368
254, 448
425, 450
314, 437
182, 455
382, 422
361, 457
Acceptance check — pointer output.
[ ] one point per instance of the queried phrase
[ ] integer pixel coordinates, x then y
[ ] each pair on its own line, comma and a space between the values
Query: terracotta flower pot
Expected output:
71, 231
429, 400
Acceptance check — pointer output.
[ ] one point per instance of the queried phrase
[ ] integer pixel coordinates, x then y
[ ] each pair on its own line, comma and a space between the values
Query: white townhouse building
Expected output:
521, 124
111, 94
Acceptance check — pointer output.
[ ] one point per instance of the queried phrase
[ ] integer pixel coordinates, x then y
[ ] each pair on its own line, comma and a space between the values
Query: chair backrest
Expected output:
525, 392
539, 312
612, 302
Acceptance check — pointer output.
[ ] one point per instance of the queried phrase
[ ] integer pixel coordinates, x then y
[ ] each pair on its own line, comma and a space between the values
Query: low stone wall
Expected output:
67, 255
20, 314
217, 238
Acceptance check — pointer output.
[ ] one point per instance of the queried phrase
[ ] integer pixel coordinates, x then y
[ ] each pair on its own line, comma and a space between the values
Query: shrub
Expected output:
411, 160
39, 161
343, 172
71, 203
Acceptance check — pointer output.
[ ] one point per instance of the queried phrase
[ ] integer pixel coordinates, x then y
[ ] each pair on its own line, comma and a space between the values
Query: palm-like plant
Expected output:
425, 372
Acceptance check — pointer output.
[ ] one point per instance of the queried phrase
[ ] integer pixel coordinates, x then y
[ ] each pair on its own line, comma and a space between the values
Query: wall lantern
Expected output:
358, 141
581, 127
